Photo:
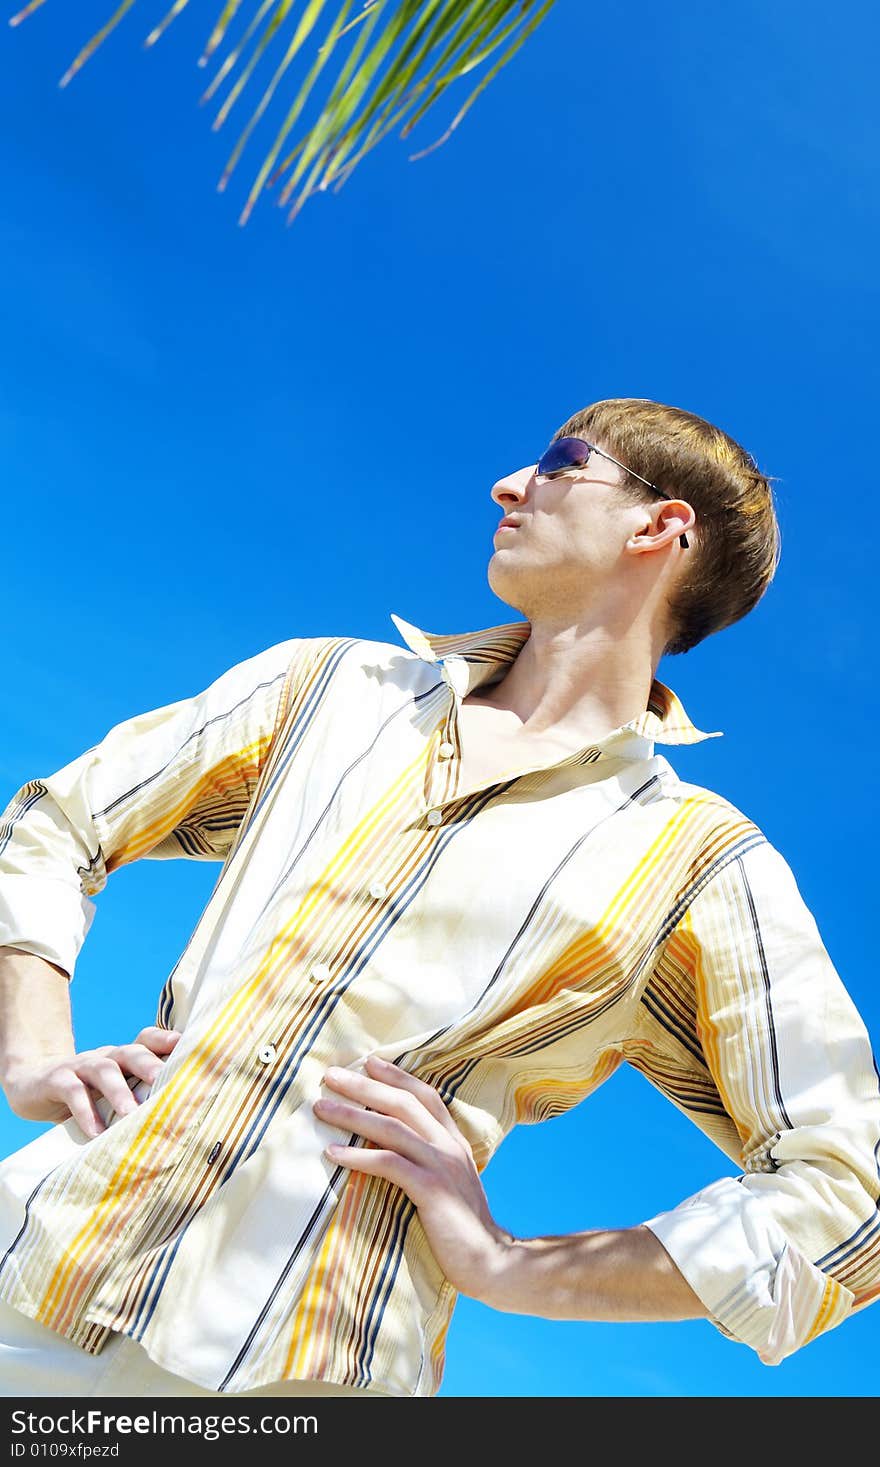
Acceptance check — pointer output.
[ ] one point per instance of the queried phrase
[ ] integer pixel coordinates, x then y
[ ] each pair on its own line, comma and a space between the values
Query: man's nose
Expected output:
514, 485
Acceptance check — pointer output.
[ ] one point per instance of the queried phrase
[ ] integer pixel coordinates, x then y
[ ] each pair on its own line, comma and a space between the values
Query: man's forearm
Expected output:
622, 1274
35, 1017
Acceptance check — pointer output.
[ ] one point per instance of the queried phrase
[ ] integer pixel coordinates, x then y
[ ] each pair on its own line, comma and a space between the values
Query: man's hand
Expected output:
424, 1153
66, 1086
618, 1274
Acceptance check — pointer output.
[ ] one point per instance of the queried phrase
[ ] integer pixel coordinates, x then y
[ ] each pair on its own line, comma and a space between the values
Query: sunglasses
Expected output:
574, 453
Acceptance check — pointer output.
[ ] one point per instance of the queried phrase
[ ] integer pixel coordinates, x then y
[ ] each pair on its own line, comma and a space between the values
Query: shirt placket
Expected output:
442, 782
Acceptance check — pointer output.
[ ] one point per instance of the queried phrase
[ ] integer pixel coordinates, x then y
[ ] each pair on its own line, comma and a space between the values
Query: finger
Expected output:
377, 1163
159, 1040
387, 1131
430, 1098
392, 1074
138, 1060
390, 1100
67, 1087
104, 1075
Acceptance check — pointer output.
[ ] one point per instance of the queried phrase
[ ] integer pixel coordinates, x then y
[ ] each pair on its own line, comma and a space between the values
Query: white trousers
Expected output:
37, 1361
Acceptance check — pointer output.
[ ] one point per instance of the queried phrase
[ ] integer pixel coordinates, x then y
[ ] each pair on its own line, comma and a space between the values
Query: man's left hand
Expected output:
418, 1146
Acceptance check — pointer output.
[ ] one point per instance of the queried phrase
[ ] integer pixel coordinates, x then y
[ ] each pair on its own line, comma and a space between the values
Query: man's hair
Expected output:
734, 547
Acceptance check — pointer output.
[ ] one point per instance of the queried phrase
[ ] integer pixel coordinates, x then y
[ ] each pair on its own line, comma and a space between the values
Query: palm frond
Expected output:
384, 74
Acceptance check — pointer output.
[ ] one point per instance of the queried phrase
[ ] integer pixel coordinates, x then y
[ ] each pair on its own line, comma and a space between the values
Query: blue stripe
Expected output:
36, 792
196, 734
771, 1024
304, 1238
300, 727
286, 1076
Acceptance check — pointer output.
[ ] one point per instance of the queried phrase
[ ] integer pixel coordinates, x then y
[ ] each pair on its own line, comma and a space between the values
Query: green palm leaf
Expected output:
382, 73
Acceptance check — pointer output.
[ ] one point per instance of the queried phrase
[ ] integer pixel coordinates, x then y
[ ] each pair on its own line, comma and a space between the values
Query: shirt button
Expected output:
435, 817
378, 890
318, 972
267, 1054
446, 750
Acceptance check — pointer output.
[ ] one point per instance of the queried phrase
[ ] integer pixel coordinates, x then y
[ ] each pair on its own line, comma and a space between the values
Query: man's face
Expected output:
569, 537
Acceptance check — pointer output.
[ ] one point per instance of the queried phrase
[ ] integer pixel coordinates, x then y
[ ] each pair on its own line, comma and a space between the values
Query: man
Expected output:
459, 888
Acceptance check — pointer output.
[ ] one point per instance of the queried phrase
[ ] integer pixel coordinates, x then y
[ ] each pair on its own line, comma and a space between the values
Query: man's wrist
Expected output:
542, 1276
505, 1279
18, 1070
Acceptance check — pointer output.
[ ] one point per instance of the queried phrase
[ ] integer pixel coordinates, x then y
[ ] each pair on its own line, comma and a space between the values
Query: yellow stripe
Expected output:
222, 777
829, 1297
184, 1084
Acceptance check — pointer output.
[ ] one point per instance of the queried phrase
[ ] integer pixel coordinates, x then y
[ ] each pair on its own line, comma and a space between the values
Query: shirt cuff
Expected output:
56, 910
759, 1290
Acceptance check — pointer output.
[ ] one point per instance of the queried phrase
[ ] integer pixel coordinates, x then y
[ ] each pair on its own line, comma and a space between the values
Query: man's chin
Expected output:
506, 580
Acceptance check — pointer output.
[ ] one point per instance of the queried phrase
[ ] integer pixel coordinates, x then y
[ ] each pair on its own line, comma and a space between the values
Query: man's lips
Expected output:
508, 524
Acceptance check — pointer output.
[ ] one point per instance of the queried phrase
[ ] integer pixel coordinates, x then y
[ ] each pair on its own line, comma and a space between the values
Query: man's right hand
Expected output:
68, 1086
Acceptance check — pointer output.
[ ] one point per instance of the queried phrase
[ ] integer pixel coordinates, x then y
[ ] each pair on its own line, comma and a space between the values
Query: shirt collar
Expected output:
469, 659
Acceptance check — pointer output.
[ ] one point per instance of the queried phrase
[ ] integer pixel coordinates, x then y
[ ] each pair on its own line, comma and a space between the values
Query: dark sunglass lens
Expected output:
565, 453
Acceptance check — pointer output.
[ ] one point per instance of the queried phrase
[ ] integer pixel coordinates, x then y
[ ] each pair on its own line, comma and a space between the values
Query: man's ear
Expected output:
674, 515
644, 537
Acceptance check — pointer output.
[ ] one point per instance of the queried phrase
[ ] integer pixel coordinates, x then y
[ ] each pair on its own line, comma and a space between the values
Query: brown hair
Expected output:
736, 542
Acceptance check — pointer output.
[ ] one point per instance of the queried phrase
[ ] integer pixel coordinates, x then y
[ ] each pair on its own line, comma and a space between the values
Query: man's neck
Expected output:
570, 685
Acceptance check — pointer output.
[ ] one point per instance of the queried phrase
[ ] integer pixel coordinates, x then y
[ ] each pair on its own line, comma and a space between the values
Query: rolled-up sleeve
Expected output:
175, 781
791, 1247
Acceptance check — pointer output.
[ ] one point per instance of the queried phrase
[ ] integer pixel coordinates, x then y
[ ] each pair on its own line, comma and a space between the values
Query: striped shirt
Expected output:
510, 943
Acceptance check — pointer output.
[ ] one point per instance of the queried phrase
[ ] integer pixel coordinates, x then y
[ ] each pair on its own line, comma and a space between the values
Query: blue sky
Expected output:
216, 438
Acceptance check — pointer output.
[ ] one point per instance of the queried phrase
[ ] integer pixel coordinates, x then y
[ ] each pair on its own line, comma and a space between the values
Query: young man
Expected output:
459, 888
